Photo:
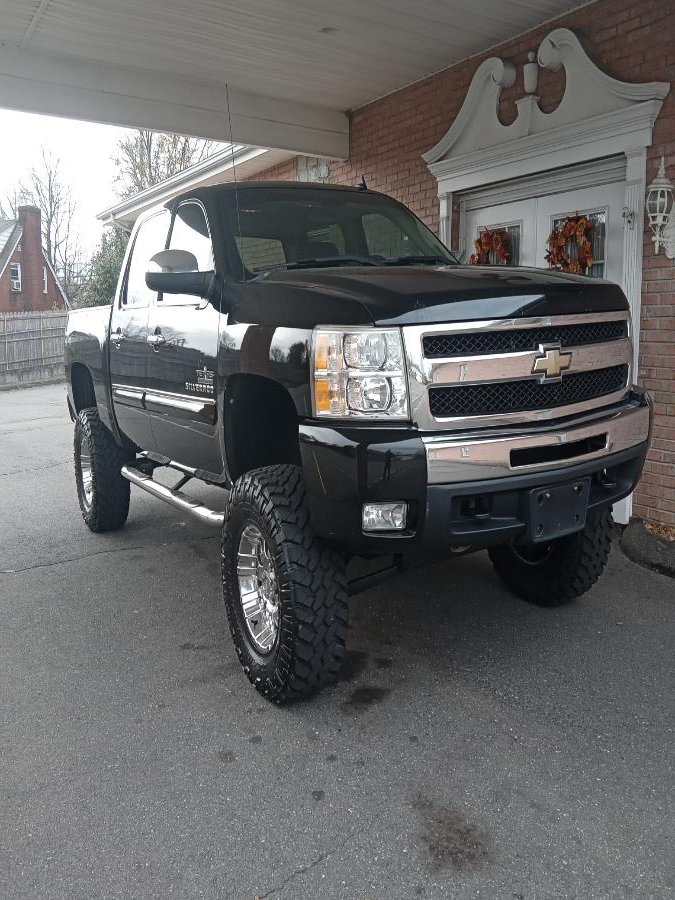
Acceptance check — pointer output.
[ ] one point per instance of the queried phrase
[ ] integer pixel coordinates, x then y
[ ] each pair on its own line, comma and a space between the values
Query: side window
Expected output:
331, 236
259, 253
150, 239
190, 231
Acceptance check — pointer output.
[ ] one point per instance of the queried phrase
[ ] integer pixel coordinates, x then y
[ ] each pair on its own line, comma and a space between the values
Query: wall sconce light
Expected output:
660, 199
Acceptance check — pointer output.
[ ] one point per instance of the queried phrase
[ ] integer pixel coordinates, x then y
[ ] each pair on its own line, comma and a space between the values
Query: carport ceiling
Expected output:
330, 55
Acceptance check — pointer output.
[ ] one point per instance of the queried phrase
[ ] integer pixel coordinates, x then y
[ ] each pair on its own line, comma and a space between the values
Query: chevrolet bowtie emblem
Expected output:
551, 362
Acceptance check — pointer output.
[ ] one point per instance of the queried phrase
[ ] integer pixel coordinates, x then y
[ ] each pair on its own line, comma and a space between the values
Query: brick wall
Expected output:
629, 39
31, 258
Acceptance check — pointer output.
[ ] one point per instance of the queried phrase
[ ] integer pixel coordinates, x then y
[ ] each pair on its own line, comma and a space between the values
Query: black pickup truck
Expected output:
315, 351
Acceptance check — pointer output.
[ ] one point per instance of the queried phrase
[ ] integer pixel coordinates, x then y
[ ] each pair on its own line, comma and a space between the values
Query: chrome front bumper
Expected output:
472, 457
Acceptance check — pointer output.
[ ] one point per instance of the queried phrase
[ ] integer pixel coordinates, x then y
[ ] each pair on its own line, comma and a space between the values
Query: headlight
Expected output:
359, 374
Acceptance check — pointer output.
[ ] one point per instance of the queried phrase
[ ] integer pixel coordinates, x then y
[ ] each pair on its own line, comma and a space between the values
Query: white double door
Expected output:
529, 223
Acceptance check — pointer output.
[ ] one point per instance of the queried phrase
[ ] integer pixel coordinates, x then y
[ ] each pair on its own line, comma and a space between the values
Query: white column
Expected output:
445, 219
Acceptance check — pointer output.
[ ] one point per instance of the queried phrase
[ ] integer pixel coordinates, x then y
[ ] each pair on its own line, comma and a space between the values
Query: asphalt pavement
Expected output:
475, 747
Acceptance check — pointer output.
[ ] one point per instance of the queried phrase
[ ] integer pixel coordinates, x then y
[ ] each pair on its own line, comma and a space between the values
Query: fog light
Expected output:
384, 516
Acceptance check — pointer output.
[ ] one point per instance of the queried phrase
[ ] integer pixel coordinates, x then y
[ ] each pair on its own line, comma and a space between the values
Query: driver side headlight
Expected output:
359, 373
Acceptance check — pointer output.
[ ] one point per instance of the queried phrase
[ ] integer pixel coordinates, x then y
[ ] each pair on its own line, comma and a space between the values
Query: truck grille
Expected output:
520, 396
437, 346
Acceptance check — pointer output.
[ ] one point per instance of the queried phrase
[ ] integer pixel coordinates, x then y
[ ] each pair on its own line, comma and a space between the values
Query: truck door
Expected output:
183, 335
128, 347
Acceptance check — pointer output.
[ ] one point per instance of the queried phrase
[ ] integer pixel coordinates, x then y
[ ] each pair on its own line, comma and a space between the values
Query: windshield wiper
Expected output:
420, 261
319, 262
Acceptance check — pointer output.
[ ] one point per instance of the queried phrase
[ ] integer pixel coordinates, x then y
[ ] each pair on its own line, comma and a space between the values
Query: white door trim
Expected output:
598, 118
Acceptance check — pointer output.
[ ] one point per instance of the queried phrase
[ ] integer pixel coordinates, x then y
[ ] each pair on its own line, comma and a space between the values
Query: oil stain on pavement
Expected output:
451, 840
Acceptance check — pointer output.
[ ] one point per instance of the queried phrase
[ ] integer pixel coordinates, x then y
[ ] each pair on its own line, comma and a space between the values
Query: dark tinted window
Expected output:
279, 226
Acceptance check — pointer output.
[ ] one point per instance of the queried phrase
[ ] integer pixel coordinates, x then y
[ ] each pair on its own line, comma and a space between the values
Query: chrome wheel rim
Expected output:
533, 554
85, 472
258, 589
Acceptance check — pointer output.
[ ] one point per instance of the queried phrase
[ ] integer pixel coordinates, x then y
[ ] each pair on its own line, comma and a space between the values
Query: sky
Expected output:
85, 151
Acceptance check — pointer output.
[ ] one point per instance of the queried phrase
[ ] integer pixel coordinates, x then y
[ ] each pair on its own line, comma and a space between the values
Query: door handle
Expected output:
156, 341
117, 338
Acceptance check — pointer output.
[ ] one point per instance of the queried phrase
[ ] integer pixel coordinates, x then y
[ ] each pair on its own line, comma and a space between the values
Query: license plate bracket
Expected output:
558, 509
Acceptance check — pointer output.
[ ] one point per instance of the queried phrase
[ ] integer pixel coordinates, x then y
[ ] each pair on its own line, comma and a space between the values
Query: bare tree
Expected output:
144, 158
13, 200
46, 189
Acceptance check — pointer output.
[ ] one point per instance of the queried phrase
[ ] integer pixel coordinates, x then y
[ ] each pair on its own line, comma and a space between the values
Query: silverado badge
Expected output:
551, 363
204, 382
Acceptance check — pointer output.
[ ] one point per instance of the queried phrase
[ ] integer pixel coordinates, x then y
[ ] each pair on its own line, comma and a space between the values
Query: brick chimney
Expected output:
30, 220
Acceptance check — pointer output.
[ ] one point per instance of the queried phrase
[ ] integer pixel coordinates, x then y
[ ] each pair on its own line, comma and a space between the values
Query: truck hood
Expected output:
409, 295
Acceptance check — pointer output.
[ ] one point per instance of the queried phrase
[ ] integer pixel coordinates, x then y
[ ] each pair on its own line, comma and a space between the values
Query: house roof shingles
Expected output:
10, 235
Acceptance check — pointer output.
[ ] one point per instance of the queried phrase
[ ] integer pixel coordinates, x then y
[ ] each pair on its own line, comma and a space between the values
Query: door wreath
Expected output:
491, 241
570, 245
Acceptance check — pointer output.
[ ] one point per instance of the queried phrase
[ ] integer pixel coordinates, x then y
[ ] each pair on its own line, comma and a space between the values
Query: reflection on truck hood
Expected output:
407, 295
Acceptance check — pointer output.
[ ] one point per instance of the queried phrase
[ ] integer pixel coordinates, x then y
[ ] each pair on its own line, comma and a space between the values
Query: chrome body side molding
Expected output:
145, 396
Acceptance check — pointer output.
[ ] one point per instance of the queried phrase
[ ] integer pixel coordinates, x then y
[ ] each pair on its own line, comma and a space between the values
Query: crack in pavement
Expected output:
321, 858
61, 562
66, 462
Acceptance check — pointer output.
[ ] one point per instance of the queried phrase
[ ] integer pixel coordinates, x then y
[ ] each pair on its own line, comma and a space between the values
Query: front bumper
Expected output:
468, 489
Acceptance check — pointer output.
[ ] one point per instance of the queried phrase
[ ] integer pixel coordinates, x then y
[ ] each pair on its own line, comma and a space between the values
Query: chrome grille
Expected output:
518, 396
489, 372
485, 342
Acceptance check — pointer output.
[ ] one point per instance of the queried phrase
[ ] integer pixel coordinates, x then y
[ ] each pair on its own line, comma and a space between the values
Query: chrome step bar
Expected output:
174, 497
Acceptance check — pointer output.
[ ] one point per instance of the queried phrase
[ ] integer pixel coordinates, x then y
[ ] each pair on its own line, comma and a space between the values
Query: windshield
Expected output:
299, 227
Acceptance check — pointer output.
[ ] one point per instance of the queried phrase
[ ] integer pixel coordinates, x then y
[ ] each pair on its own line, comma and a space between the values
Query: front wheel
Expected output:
557, 573
285, 592
103, 493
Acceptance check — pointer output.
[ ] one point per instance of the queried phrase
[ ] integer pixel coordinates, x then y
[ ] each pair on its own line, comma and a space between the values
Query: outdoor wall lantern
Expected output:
660, 199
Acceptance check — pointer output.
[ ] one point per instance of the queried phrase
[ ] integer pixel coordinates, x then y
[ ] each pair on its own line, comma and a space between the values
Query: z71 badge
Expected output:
204, 382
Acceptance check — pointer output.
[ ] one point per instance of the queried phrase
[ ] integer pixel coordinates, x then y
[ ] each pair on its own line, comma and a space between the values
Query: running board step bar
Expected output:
174, 497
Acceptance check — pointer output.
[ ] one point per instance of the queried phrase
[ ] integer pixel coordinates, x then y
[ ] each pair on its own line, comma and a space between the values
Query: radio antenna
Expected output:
236, 186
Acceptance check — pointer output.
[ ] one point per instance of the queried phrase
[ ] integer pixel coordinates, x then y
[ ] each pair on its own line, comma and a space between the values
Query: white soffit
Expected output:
217, 169
294, 67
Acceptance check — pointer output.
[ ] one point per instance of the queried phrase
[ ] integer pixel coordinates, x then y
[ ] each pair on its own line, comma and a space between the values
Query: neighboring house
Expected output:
27, 280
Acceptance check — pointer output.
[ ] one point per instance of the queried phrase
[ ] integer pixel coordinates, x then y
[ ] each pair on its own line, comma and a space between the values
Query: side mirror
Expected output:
179, 274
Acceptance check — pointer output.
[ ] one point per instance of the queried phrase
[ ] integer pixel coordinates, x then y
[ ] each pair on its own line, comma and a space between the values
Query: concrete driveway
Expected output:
475, 748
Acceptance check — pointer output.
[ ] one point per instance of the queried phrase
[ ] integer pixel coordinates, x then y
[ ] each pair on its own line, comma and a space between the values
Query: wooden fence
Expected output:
31, 344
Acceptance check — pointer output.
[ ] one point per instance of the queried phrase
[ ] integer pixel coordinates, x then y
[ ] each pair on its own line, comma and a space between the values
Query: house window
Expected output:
515, 232
15, 276
599, 220
44, 279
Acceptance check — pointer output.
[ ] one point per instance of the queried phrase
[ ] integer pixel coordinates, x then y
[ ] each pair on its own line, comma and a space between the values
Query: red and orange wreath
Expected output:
492, 241
575, 233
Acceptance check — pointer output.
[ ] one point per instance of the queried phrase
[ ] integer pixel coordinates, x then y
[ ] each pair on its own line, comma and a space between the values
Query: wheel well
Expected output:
261, 424
83, 387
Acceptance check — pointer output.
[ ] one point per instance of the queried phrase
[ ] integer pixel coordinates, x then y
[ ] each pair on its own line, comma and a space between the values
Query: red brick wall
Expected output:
633, 40
31, 258
285, 171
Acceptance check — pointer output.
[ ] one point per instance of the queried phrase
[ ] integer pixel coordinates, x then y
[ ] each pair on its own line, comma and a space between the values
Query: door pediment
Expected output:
597, 116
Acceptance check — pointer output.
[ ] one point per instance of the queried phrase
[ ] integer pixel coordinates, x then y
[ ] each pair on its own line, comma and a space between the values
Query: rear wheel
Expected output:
103, 493
285, 592
558, 572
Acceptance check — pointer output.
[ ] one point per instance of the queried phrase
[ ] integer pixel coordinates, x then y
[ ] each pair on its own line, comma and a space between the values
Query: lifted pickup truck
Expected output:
317, 352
